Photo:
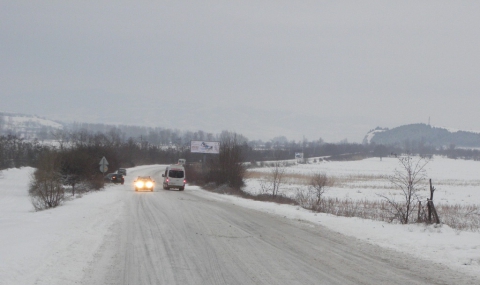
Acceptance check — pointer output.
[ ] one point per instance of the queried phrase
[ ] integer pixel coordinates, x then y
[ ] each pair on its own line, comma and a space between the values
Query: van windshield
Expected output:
175, 173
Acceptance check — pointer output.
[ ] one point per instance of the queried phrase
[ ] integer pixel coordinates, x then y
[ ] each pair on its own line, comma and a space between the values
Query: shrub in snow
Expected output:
318, 185
46, 189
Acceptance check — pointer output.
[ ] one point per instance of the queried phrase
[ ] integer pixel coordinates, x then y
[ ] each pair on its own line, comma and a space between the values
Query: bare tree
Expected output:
2, 123
61, 136
227, 167
409, 179
275, 179
230, 159
318, 185
115, 137
76, 167
312, 198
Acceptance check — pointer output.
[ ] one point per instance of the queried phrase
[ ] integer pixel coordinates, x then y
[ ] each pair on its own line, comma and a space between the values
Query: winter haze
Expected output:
329, 69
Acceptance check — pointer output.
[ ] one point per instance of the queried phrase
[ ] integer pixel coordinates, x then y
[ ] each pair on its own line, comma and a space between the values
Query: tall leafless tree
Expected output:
275, 179
228, 167
409, 179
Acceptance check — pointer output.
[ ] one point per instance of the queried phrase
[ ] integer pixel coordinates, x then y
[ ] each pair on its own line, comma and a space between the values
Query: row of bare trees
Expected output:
17, 152
58, 168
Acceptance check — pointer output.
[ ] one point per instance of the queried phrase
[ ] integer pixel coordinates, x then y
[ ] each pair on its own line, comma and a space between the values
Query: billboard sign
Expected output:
299, 157
204, 147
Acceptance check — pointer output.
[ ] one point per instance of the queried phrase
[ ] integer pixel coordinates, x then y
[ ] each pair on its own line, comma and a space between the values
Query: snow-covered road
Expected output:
172, 237
118, 236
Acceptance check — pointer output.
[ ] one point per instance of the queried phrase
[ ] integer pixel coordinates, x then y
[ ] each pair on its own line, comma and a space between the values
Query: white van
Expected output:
174, 177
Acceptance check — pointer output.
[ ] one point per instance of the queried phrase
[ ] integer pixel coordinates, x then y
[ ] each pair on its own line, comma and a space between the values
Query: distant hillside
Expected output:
27, 126
425, 134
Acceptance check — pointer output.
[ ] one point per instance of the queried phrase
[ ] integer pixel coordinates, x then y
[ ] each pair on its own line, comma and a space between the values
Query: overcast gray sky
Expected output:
329, 69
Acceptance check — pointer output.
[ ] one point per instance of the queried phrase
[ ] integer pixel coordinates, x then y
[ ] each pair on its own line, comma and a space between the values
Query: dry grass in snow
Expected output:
355, 188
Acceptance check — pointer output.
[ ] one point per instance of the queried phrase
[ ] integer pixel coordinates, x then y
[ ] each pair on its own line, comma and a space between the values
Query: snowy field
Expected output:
456, 181
56, 246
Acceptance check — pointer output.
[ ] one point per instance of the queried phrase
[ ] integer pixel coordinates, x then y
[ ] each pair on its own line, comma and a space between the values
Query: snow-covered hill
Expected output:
27, 126
371, 134
426, 134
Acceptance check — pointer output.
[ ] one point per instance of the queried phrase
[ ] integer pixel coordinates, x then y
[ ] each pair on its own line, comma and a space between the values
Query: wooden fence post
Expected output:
419, 208
430, 205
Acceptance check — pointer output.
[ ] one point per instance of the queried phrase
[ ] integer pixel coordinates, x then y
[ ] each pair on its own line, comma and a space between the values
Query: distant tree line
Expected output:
72, 159
17, 152
123, 151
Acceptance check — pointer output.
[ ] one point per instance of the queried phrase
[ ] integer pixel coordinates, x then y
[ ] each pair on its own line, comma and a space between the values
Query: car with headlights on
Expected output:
144, 183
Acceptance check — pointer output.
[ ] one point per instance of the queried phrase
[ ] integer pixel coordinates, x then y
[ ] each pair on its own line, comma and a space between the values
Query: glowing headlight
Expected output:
139, 184
149, 184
